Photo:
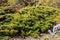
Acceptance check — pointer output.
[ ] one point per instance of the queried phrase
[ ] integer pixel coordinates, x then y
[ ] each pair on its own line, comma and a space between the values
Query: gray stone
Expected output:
56, 28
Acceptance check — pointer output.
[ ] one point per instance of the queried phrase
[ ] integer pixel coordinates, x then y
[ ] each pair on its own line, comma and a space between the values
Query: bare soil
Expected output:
41, 37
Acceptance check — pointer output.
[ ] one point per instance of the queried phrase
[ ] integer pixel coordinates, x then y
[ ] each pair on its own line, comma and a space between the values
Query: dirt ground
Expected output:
42, 37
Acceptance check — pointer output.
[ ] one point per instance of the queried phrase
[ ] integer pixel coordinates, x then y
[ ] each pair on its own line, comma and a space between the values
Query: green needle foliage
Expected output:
29, 21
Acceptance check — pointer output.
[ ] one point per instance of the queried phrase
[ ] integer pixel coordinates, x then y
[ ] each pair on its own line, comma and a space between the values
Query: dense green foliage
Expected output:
29, 21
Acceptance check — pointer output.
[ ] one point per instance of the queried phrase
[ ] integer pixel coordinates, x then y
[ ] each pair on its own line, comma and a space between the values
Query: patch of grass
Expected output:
4, 38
